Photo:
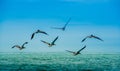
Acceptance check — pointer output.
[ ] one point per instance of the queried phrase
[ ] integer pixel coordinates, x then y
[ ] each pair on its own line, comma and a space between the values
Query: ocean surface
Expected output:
59, 62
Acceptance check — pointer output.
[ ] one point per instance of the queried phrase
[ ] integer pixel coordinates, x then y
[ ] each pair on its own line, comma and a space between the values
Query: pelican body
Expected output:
50, 44
78, 52
20, 47
91, 36
64, 27
38, 31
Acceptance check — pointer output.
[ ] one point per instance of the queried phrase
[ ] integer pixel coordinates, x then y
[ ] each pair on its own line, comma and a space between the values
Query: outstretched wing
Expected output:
67, 23
24, 44
55, 40
17, 46
81, 49
32, 36
45, 42
97, 38
84, 39
56, 28
39, 31
70, 51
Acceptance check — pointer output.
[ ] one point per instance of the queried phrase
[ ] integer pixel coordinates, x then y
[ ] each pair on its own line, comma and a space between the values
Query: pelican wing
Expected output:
45, 42
67, 23
56, 28
97, 38
55, 40
84, 39
39, 31
32, 36
16, 46
24, 44
81, 49
70, 51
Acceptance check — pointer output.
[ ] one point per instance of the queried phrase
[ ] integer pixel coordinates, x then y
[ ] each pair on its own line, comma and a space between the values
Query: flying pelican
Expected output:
91, 36
78, 52
50, 44
38, 31
20, 47
64, 27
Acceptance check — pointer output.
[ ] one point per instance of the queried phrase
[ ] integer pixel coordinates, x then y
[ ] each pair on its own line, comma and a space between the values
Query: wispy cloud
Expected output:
86, 1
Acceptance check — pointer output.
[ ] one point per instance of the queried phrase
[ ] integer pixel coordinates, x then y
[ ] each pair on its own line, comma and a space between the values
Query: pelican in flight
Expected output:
38, 31
20, 47
78, 52
50, 44
91, 36
64, 27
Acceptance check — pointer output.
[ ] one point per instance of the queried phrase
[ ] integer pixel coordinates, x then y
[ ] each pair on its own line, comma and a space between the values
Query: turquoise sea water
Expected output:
59, 62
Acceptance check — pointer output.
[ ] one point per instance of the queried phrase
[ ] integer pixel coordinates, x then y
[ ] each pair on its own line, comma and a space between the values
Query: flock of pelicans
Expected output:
53, 42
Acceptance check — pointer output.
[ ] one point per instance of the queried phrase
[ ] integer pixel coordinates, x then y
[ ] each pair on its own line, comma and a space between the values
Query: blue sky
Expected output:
20, 18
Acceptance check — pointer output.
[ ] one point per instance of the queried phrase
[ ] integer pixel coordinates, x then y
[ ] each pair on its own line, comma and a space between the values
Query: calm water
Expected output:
59, 62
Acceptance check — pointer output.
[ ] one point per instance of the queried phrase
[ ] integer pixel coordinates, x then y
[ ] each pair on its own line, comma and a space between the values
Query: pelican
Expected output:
38, 31
91, 36
64, 27
78, 52
50, 44
20, 47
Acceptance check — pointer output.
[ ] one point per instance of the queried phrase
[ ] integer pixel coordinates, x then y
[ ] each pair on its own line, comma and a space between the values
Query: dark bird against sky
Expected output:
78, 52
38, 31
20, 47
64, 27
91, 36
50, 44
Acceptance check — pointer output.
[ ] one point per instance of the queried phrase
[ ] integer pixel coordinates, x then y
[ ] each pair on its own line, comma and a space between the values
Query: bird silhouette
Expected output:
78, 52
38, 31
91, 36
64, 27
50, 44
20, 47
